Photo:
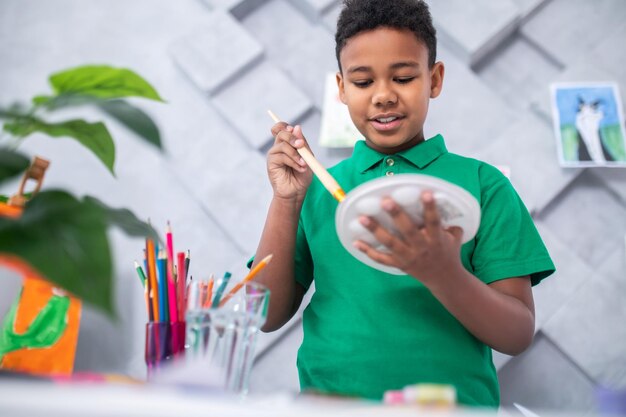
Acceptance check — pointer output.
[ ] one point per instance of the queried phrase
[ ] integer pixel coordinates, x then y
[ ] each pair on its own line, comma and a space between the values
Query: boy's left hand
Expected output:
428, 252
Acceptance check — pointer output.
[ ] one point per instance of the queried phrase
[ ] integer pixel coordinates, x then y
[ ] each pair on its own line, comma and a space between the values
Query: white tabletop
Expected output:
35, 398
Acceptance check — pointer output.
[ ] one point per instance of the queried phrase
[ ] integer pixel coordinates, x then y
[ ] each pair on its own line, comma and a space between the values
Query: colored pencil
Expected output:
180, 266
220, 290
186, 300
204, 300
171, 286
258, 267
320, 172
163, 287
181, 284
209, 290
147, 299
142, 276
150, 295
152, 279
187, 261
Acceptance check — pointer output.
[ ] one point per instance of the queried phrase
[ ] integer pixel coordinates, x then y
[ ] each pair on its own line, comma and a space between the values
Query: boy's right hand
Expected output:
288, 172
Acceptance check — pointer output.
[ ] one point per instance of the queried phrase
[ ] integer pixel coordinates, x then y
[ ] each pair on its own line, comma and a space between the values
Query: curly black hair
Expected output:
362, 15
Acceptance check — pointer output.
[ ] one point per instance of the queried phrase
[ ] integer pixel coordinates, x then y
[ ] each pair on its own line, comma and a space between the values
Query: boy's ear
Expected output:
436, 79
341, 87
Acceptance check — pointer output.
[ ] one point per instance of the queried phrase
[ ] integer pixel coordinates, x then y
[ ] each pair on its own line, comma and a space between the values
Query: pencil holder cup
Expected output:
221, 340
177, 342
157, 346
164, 342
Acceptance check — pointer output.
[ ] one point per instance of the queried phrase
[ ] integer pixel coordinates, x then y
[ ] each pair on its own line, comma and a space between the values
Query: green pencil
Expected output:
142, 276
220, 290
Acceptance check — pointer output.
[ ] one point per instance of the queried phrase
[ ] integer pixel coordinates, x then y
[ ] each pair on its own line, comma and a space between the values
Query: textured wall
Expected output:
220, 64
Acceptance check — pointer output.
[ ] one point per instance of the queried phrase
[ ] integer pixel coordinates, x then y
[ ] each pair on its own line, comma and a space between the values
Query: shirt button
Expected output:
390, 162
389, 173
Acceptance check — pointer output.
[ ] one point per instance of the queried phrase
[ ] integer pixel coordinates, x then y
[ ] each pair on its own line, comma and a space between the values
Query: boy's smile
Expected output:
386, 84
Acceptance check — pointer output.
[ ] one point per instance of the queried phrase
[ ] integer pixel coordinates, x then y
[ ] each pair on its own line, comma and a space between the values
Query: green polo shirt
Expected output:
366, 331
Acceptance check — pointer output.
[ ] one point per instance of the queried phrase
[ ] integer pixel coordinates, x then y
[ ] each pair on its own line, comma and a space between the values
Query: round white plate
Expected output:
457, 207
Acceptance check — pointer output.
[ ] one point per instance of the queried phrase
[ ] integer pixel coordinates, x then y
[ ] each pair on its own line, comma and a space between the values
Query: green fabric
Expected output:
366, 331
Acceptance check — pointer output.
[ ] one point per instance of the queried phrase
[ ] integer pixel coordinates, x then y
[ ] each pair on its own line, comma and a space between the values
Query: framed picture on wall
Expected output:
589, 124
337, 129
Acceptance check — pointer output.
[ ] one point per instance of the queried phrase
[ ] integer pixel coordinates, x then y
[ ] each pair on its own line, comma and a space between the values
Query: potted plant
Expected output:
60, 236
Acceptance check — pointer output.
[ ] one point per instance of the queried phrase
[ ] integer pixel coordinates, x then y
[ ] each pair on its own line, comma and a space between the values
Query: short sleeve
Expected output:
303, 260
507, 243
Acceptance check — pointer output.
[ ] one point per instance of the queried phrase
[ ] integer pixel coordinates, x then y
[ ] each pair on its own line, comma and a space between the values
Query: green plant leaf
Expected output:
15, 110
134, 119
94, 136
65, 100
65, 240
125, 220
21, 126
103, 81
12, 164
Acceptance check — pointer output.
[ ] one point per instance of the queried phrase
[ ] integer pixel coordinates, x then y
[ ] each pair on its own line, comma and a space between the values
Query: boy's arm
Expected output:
290, 179
279, 238
500, 314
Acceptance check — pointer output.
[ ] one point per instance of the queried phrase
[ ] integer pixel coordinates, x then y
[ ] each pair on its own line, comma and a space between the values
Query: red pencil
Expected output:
171, 286
180, 264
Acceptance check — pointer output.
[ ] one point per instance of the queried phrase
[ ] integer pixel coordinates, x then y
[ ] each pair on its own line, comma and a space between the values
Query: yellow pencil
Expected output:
320, 172
208, 294
258, 267
152, 278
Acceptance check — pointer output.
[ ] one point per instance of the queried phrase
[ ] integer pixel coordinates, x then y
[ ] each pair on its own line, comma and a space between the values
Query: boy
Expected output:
366, 331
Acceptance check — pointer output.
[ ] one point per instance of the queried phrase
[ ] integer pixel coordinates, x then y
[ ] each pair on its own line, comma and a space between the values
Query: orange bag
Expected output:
40, 332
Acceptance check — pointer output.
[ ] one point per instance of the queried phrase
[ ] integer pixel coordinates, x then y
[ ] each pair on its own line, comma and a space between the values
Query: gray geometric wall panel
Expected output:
220, 37
221, 64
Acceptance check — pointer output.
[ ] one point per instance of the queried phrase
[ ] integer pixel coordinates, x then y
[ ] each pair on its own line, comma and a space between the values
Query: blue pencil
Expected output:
220, 290
163, 300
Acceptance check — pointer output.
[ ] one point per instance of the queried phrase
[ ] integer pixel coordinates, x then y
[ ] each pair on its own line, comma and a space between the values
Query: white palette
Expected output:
457, 207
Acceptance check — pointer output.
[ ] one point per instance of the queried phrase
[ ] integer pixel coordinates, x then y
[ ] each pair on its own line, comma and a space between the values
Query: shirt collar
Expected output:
419, 155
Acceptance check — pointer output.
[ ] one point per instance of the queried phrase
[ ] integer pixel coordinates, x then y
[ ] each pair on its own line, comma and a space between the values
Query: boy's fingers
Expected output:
297, 132
288, 143
377, 256
432, 220
288, 136
456, 232
278, 127
283, 136
404, 224
283, 148
283, 160
381, 234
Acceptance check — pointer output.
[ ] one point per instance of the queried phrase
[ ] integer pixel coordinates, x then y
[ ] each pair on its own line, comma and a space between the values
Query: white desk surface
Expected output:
34, 398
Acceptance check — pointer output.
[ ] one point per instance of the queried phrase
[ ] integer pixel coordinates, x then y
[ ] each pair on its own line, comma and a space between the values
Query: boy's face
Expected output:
386, 84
